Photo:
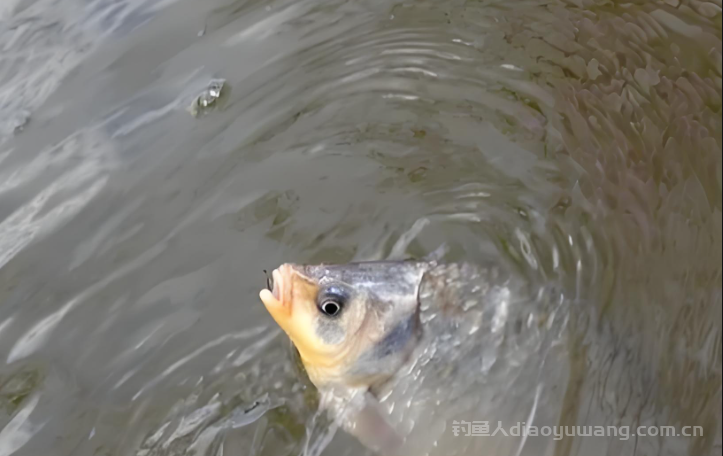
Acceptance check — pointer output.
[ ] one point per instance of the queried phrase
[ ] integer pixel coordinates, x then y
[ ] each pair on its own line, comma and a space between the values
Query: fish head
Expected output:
352, 324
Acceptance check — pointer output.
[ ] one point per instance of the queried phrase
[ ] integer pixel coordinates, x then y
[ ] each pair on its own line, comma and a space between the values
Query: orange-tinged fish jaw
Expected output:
291, 302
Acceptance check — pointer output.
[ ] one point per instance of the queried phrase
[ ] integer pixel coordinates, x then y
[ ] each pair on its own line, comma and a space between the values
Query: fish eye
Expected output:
332, 300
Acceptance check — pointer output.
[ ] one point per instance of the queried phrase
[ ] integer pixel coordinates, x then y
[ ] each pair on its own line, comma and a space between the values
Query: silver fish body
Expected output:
428, 358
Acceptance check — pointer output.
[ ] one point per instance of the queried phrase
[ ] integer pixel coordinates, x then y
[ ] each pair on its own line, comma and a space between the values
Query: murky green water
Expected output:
578, 140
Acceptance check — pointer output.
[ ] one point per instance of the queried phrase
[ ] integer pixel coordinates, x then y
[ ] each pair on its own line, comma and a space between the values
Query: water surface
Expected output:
579, 141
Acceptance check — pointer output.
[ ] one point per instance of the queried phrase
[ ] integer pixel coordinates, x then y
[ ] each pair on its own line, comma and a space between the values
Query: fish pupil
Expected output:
330, 308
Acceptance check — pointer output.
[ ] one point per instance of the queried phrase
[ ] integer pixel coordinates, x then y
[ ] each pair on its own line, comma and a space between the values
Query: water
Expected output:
579, 141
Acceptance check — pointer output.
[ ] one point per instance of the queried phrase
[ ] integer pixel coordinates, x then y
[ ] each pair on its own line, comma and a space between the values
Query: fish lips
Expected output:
274, 297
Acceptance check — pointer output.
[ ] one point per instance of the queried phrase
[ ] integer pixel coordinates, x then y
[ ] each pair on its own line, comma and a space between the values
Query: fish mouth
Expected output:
273, 283
273, 295
276, 283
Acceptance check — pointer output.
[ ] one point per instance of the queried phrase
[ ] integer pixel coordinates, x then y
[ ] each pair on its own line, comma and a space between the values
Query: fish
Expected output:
404, 353
359, 328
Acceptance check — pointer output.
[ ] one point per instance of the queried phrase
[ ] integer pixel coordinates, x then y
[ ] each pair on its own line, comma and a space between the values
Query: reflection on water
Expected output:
579, 141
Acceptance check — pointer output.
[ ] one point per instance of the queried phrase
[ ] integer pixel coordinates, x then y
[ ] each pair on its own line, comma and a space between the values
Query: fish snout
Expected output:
275, 297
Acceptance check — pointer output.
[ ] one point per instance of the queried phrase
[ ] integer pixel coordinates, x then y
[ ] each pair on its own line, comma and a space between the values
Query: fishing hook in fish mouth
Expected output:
269, 281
